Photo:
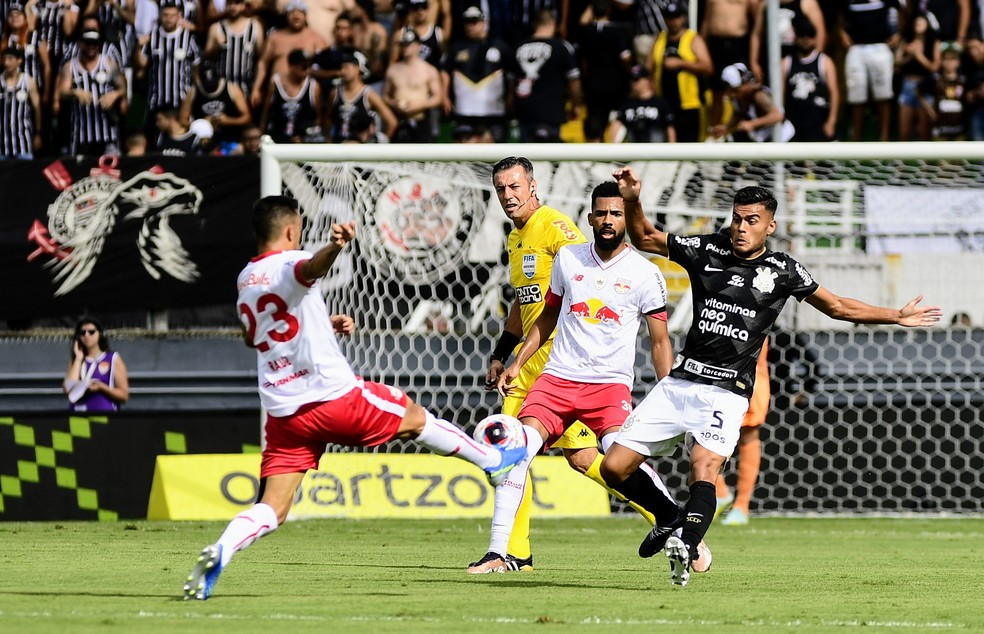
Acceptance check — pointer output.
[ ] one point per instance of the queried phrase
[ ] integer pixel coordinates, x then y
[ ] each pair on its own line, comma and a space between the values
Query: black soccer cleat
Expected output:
656, 538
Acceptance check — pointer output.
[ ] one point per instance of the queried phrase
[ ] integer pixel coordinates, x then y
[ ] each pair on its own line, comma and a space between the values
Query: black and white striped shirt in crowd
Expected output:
49, 24
16, 118
90, 123
110, 50
113, 22
171, 58
649, 17
239, 55
32, 61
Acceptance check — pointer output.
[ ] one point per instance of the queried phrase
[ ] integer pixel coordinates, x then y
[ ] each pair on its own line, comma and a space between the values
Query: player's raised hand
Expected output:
342, 233
505, 381
912, 315
629, 184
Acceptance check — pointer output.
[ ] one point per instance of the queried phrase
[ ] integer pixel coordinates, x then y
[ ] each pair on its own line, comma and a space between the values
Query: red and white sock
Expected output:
246, 528
447, 439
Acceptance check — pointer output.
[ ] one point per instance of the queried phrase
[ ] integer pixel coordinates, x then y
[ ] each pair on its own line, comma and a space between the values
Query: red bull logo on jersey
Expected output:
622, 285
594, 311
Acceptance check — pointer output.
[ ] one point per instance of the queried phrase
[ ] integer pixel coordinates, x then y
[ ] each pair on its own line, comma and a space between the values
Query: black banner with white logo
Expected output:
145, 233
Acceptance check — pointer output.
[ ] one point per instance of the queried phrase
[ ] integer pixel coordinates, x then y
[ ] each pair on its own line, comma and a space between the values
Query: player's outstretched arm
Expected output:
539, 333
320, 262
912, 315
643, 234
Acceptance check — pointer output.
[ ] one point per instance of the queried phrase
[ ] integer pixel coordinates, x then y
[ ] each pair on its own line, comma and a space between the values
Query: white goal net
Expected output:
864, 419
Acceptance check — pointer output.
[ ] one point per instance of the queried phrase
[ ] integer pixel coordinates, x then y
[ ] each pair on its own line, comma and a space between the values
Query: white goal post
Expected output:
863, 420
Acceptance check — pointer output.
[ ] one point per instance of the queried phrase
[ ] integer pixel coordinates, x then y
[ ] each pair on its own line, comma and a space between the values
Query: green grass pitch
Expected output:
775, 575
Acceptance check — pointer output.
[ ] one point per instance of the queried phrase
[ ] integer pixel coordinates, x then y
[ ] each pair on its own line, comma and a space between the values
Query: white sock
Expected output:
246, 528
447, 439
509, 495
609, 440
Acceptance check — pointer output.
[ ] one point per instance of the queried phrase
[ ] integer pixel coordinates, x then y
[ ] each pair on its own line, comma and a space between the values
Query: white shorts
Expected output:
869, 65
677, 409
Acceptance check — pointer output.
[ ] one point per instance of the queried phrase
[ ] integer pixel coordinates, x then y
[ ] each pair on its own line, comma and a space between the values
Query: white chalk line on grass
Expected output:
593, 620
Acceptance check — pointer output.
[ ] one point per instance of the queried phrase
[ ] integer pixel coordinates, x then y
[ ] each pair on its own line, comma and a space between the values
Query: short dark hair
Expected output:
269, 214
608, 189
753, 195
512, 161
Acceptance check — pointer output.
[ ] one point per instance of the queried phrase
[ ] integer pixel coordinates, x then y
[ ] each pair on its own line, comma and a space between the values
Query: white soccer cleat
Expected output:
703, 561
203, 576
676, 551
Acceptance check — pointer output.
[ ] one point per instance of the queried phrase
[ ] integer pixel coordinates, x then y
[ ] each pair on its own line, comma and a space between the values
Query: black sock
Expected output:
700, 512
641, 489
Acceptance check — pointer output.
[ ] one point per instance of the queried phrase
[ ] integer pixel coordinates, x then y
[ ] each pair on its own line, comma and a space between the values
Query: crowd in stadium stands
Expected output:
184, 77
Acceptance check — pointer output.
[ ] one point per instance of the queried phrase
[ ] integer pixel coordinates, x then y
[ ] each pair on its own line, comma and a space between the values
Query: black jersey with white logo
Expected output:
736, 303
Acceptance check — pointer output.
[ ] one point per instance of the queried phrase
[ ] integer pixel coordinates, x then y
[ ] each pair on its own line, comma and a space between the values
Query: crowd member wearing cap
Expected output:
680, 64
753, 111
548, 80
789, 11
412, 90
475, 77
812, 97
20, 109
93, 90
429, 35
116, 20
293, 111
110, 49
643, 117
167, 56
726, 27
606, 57
221, 102
296, 35
351, 99
237, 40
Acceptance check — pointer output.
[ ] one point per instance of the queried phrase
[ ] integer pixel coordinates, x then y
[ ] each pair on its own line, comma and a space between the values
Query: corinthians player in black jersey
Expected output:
739, 288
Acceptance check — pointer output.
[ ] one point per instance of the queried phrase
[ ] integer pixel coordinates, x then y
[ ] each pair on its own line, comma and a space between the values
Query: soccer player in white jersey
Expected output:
599, 293
310, 392
739, 287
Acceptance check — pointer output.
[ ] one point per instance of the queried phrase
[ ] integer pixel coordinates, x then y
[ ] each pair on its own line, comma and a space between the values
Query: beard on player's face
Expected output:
607, 238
